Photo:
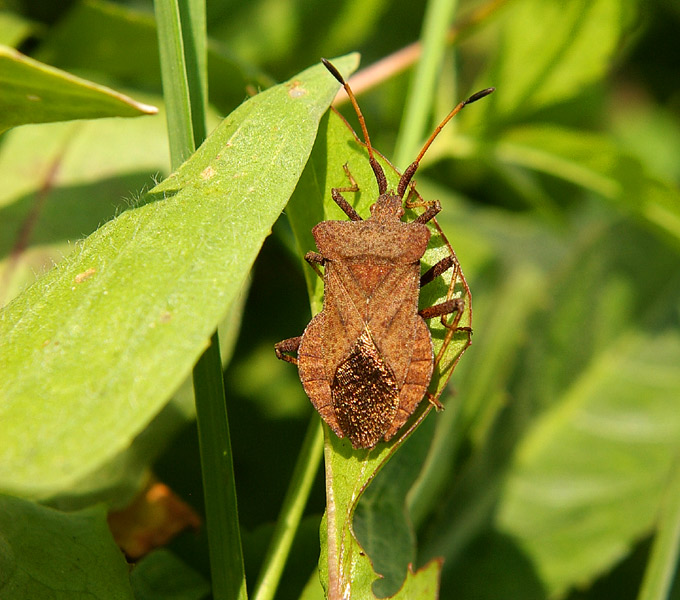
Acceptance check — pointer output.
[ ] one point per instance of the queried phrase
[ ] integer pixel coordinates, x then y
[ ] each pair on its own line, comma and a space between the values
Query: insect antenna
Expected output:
377, 169
413, 167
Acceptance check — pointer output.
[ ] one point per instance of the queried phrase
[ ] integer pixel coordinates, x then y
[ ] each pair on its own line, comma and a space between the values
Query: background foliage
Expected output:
553, 471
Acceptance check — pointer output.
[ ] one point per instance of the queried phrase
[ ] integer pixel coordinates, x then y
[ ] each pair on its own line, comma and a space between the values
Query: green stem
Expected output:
182, 44
291, 511
438, 16
175, 85
192, 13
224, 536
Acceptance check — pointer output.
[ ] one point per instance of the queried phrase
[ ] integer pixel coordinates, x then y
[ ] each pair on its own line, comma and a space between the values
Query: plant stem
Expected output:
418, 106
224, 536
175, 85
182, 44
291, 512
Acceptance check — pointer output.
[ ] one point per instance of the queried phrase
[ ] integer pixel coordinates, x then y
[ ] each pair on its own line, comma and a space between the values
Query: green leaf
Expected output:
185, 114
381, 521
348, 472
589, 477
60, 183
593, 161
110, 333
82, 39
591, 298
33, 92
550, 51
45, 553
344, 566
162, 576
423, 583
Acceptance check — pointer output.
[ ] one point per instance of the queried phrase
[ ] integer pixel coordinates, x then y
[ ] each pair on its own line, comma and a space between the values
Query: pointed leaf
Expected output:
33, 92
109, 334
591, 474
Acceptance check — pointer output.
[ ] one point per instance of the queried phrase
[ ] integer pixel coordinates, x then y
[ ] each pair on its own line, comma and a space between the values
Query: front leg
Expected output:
433, 207
433, 210
315, 259
289, 345
346, 207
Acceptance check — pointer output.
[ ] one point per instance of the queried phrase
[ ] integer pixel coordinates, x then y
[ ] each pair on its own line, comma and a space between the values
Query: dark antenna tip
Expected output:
362, 122
333, 70
408, 174
480, 95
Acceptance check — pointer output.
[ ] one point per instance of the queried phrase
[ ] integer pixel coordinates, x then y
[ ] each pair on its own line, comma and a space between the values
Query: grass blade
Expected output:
291, 511
181, 34
421, 90
175, 84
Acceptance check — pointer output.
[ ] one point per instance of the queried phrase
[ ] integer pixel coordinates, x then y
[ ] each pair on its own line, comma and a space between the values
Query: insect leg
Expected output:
289, 345
455, 305
315, 259
457, 280
434, 402
340, 200
354, 186
415, 200
432, 211
436, 270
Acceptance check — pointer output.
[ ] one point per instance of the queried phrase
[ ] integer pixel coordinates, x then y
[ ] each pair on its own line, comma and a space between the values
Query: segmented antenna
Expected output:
377, 169
413, 167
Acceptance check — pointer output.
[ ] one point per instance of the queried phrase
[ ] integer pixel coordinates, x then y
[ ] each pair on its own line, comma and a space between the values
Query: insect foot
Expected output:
367, 359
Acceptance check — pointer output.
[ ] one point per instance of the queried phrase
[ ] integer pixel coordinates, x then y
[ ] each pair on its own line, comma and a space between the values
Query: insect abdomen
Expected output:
365, 394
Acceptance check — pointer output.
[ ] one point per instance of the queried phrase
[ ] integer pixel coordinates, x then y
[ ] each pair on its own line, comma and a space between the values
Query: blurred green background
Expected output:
553, 467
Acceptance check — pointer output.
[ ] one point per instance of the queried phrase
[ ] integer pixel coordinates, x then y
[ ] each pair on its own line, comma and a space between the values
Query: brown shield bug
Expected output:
366, 360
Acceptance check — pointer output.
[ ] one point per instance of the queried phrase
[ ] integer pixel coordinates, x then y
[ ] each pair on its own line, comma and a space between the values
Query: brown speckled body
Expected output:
366, 359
